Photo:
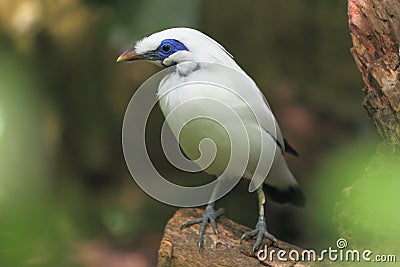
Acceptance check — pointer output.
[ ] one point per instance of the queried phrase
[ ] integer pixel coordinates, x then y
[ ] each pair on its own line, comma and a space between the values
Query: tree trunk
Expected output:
375, 32
367, 216
179, 247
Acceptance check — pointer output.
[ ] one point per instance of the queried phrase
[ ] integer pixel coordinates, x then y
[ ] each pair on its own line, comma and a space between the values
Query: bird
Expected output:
192, 55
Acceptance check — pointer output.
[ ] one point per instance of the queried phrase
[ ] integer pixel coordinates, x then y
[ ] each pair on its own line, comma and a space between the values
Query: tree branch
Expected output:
179, 247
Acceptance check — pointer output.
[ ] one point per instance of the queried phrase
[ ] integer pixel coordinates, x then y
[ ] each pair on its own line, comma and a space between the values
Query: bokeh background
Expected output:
66, 196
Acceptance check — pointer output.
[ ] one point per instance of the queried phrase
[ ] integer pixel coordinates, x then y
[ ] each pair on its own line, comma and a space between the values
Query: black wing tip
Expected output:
289, 149
292, 195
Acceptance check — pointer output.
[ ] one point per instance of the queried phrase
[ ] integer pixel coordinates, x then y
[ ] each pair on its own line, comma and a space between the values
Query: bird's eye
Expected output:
166, 48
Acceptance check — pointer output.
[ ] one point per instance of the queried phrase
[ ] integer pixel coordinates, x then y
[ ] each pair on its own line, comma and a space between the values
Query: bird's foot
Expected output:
210, 215
260, 232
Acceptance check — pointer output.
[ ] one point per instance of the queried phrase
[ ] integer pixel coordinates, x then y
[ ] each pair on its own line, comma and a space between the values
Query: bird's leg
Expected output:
210, 215
261, 227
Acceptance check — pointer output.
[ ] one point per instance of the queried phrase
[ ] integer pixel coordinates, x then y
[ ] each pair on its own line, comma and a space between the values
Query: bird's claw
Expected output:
210, 215
260, 232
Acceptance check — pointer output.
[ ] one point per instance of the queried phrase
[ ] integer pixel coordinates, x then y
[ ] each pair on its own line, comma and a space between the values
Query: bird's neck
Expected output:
186, 68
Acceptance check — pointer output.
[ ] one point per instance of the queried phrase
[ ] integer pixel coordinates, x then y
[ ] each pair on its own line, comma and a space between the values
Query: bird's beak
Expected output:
129, 55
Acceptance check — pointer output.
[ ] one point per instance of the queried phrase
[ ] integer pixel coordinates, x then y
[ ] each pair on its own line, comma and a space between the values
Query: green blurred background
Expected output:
66, 196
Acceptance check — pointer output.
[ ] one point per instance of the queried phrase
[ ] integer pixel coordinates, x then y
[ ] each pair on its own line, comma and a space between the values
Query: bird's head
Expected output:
177, 45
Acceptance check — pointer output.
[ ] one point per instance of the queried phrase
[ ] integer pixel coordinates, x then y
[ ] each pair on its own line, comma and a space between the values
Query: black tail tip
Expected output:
292, 195
289, 149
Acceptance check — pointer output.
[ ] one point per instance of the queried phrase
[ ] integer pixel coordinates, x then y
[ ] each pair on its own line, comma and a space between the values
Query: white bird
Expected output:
196, 57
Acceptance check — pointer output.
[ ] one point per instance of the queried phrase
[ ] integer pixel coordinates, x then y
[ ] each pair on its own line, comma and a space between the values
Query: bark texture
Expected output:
375, 32
365, 214
179, 247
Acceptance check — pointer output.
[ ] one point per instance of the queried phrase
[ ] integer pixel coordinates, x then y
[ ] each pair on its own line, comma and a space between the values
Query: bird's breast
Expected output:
196, 111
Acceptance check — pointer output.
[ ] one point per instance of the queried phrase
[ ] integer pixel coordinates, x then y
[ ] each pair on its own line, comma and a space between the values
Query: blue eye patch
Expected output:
170, 46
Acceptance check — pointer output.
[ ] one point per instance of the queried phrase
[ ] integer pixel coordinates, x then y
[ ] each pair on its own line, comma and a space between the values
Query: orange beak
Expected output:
129, 55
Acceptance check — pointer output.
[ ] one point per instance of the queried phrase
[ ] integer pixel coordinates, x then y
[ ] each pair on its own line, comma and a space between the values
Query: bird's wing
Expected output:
259, 105
275, 127
236, 80
268, 122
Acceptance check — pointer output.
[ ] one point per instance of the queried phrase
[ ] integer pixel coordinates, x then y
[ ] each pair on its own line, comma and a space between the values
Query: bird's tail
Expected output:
291, 195
281, 186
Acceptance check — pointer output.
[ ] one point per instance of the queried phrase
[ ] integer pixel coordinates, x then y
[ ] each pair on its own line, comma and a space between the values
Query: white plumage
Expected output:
198, 57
